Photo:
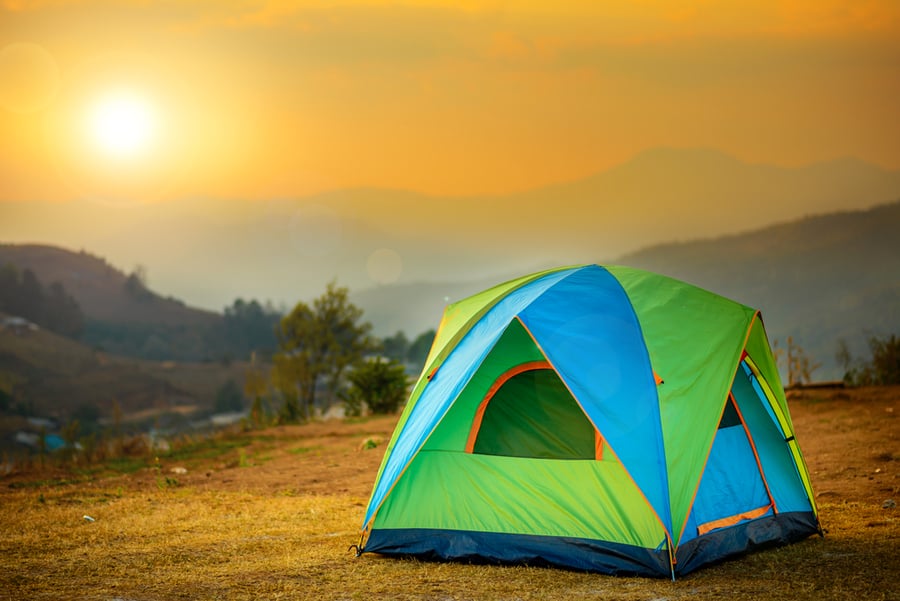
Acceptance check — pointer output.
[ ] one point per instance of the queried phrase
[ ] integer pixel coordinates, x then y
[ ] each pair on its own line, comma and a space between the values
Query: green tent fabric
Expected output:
598, 418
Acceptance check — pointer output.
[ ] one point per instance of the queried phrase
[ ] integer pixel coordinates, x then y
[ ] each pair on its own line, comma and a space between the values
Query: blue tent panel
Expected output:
610, 375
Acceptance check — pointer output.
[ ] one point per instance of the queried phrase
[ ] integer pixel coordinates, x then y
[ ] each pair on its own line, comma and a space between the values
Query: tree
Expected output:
136, 284
883, 369
31, 295
256, 387
52, 308
62, 314
316, 346
418, 350
396, 346
886, 359
381, 384
250, 327
9, 289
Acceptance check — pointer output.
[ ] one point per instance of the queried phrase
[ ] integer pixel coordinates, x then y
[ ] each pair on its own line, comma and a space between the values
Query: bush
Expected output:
882, 370
379, 384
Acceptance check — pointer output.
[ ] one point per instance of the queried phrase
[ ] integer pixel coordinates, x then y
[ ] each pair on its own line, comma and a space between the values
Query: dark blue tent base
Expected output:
520, 549
589, 555
770, 531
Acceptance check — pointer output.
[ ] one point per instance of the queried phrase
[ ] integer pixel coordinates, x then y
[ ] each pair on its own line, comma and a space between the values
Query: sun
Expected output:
122, 124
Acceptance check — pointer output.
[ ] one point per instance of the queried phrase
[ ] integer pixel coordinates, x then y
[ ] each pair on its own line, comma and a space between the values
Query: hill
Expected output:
102, 291
211, 251
123, 316
818, 279
42, 374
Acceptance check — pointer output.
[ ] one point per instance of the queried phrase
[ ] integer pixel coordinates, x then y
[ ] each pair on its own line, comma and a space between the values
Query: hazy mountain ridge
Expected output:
100, 289
124, 317
817, 279
211, 251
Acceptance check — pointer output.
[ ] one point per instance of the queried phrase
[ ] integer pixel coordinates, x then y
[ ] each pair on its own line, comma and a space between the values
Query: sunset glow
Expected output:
122, 125
272, 99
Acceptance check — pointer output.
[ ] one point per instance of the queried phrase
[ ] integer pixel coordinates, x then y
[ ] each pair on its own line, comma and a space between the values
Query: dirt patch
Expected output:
331, 457
274, 513
849, 438
851, 442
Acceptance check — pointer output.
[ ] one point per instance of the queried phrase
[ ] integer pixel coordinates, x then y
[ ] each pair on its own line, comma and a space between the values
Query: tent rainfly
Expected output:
597, 418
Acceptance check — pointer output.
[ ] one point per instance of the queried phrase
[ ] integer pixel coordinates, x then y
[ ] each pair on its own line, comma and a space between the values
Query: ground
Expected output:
271, 514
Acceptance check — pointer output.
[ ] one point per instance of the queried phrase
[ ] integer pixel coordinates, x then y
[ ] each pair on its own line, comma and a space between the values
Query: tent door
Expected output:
733, 488
529, 412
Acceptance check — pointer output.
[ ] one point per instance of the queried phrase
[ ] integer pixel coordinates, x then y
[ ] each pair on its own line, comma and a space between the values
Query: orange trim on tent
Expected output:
755, 454
503, 379
733, 519
658, 379
598, 445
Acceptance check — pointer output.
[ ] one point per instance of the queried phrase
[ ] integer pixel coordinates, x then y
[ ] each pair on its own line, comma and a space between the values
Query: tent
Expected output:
597, 418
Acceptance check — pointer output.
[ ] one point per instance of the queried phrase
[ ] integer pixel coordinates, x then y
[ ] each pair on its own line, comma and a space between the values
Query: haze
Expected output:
390, 141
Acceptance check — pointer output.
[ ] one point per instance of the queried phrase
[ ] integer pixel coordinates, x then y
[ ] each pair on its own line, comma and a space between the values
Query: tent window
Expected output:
533, 414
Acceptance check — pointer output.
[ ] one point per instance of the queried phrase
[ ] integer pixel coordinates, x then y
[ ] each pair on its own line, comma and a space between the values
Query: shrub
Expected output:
882, 370
380, 384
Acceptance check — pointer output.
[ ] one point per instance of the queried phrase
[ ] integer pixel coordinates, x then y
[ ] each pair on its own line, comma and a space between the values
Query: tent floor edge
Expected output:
761, 533
499, 548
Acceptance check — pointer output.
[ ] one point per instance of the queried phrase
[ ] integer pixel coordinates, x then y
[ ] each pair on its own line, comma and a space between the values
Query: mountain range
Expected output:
209, 252
819, 280
815, 248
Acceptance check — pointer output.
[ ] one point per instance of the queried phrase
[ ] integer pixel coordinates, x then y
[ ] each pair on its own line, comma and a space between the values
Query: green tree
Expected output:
250, 327
419, 348
256, 387
396, 346
380, 384
316, 346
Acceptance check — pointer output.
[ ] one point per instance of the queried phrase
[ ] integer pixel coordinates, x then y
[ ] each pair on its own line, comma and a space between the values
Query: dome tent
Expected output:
597, 418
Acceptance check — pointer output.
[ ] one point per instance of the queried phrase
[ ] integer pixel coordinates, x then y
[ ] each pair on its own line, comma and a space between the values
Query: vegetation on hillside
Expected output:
23, 295
414, 354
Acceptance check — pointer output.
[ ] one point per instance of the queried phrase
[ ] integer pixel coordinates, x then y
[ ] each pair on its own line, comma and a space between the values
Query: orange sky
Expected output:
263, 100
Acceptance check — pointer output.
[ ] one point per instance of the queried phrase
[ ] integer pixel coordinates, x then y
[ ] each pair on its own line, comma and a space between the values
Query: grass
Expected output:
193, 544
242, 525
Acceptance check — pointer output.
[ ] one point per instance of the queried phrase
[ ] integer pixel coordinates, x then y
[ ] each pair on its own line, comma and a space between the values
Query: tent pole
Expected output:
671, 557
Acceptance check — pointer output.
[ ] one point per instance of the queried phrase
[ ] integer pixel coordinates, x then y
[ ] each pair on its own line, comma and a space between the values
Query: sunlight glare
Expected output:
122, 125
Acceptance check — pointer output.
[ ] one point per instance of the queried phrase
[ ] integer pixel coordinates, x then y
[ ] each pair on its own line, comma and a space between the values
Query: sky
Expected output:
254, 100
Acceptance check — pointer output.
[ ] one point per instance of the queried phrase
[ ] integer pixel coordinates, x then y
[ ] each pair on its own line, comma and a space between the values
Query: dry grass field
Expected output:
271, 514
